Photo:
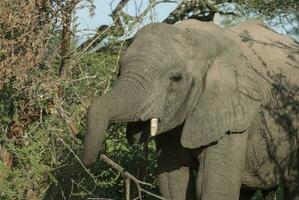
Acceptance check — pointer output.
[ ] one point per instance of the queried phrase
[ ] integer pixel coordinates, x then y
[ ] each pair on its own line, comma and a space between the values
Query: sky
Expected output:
87, 25
103, 10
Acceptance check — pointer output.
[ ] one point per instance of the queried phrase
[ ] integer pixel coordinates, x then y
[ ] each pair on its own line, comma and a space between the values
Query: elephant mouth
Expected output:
154, 125
139, 131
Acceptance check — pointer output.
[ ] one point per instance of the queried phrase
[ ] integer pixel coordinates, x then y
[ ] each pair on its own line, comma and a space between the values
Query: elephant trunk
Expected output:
118, 104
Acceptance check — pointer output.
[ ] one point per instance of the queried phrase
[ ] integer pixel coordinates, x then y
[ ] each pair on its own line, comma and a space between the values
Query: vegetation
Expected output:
46, 84
42, 157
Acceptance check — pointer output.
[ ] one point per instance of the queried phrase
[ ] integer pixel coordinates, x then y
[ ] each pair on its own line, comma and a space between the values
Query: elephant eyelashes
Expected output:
176, 77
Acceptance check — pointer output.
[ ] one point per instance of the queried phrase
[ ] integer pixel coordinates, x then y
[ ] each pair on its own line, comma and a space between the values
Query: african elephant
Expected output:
223, 102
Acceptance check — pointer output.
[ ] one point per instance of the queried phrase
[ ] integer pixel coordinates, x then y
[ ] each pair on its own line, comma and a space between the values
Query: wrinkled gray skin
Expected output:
226, 103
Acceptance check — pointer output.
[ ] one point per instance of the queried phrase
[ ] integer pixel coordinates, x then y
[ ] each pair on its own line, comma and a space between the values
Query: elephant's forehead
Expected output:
149, 52
152, 66
159, 43
159, 29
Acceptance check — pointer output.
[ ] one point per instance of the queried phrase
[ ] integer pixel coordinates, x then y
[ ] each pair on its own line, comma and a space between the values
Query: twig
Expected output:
122, 171
96, 38
149, 193
80, 186
64, 115
127, 182
129, 177
82, 78
152, 4
75, 155
120, 20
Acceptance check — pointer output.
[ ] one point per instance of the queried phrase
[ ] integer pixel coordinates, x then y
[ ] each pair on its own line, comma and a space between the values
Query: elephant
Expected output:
221, 103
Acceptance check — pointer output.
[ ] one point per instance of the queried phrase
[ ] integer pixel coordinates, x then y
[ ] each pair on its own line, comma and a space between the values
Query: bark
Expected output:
67, 10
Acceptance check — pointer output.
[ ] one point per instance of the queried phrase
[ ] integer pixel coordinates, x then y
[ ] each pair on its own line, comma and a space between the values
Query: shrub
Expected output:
45, 150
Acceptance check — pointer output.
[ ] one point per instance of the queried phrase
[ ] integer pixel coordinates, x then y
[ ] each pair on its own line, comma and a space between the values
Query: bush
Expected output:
40, 131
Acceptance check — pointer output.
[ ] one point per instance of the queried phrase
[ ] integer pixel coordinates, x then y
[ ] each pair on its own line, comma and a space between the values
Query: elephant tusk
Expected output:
154, 126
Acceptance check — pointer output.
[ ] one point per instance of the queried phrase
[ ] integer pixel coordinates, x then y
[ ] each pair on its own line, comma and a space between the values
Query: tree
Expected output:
203, 10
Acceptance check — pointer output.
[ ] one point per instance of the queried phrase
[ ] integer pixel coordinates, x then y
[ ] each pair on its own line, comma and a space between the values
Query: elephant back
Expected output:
275, 59
271, 54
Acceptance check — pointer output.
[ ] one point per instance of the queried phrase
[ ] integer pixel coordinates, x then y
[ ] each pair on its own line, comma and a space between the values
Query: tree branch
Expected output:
182, 11
129, 177
120, 18
116, 29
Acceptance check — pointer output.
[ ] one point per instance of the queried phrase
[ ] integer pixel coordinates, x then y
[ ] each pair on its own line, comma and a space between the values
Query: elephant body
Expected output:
227, 101
272, 143
271, 156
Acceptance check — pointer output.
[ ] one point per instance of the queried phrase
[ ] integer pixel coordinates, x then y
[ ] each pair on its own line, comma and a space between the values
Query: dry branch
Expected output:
128, 178
203, 10
66, 16
65, 116
120, 20
116, 29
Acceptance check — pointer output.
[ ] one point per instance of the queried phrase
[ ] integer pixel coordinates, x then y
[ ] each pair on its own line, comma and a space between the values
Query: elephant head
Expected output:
172, 76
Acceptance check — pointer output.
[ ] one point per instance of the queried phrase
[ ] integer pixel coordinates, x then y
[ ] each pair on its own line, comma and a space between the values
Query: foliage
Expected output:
45, 153
269, 7
42, 117
22, 27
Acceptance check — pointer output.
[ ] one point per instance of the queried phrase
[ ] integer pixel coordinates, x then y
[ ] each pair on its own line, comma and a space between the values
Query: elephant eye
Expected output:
176, 77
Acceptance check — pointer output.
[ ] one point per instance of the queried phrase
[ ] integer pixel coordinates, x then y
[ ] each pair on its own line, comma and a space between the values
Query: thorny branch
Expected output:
120, 20
64, 115
116, 29
128, 178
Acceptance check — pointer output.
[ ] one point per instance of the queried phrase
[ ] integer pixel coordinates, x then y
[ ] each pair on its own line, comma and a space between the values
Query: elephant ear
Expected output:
227, 104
